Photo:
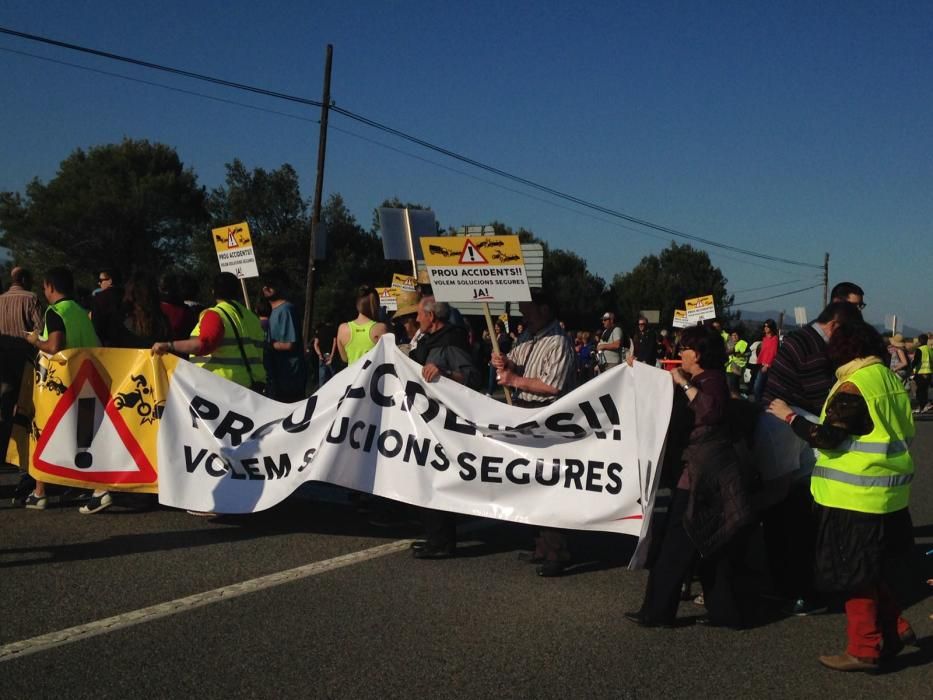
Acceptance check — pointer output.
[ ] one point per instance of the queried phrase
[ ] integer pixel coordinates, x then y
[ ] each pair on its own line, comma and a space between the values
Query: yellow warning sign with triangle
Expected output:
470, 255
476, 268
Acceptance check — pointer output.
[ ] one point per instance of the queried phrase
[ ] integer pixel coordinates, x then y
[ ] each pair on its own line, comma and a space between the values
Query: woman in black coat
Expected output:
709, 504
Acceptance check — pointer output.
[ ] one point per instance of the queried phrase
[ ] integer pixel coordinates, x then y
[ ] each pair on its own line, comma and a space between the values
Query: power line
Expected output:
160, 67
767, 286
413, 139
407, 154
194, 93
776, 296
548, 202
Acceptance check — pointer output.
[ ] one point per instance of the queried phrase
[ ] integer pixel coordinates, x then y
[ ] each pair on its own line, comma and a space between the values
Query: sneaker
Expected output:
802, 608
96, 504
34, 502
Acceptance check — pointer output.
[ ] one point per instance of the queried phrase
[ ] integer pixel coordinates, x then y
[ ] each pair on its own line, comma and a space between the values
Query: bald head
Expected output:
21, 276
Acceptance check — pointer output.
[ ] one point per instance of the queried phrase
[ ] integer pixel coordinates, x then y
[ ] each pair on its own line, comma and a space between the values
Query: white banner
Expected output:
589, 461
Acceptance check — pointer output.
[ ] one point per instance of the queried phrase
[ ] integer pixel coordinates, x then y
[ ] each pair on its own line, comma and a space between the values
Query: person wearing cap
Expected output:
610, 346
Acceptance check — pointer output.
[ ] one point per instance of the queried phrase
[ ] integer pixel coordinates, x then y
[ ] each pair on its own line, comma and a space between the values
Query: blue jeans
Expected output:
324, 373
760, 380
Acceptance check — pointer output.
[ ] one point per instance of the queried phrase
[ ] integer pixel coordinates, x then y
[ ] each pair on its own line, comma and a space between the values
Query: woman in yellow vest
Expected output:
861, 485
357, 337
923, 369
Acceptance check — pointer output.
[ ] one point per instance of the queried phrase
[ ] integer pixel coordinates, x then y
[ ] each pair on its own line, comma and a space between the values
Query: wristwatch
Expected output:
686, 386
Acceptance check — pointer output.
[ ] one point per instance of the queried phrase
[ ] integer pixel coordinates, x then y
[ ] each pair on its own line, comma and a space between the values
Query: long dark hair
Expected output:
853, 340
141, 304
707, 343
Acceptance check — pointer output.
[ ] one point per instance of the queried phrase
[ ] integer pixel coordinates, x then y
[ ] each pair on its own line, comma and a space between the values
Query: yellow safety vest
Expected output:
227, 361
926, 365
870, 473
79, 331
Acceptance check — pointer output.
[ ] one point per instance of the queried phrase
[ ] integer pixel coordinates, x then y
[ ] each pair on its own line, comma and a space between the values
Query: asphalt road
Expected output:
382, 624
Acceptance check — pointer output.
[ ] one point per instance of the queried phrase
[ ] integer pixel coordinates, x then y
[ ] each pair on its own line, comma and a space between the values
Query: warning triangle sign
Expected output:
231, 238
86, 438
471, 255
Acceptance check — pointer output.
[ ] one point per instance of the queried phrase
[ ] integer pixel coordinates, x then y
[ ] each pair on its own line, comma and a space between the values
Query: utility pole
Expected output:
825, 280
318, 191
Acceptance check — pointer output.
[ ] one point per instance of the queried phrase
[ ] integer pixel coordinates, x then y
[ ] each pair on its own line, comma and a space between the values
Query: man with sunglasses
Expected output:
646, 343
105, 305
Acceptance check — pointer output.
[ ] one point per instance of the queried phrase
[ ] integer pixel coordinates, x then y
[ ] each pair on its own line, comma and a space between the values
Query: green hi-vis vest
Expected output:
79, 331
739, 356
360, 340
227, 361
870, 473
926, 360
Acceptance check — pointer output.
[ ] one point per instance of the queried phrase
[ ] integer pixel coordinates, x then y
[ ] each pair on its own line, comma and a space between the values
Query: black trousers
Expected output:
790, 538
13, 362
922, 382
440, 528
676, 558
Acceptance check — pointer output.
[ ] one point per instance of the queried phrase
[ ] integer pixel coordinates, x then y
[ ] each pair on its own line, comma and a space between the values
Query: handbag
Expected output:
258, 387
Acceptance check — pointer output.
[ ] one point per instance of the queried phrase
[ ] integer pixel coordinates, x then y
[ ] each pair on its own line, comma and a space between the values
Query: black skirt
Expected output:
854, 550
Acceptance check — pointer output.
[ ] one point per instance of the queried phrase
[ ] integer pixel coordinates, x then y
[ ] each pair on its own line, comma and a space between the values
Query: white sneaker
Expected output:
96, 504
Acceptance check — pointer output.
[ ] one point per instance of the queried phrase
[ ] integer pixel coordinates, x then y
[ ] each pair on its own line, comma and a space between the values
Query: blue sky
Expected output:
789, 128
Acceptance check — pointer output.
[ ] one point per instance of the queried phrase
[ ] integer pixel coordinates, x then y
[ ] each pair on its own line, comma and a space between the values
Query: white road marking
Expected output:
17, 650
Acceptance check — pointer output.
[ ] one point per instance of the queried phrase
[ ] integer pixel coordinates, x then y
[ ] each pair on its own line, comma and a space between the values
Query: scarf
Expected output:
843, 372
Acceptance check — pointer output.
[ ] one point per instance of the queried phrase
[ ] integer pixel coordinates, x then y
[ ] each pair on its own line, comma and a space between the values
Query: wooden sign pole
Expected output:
495, 345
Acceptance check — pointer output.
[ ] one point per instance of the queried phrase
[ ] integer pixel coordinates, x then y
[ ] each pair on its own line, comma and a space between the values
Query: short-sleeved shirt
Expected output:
286, 369
548, 355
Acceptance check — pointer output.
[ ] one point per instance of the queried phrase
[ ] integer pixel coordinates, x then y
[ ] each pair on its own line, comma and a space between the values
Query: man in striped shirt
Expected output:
802, 376
541, 367
19, 314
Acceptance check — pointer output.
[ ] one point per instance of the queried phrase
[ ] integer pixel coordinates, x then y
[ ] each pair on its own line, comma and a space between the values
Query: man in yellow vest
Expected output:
67, 325
228, 339
861, 487
923, 368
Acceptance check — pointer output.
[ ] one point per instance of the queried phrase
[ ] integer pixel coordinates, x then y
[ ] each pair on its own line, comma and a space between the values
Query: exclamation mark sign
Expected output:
471, 252
85, 433
591, 418
609, 407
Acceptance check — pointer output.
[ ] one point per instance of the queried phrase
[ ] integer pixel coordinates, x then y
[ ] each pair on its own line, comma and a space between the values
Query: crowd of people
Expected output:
800, 441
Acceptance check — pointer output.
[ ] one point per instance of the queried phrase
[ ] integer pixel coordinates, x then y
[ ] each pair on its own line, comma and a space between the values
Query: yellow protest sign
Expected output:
680, 319
700, 308
479, 268
97, 413
234, 247
388, 297
404, 283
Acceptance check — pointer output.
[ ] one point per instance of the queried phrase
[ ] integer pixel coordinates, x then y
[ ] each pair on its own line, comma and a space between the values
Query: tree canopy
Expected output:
135, 204
664, 281
112, 206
